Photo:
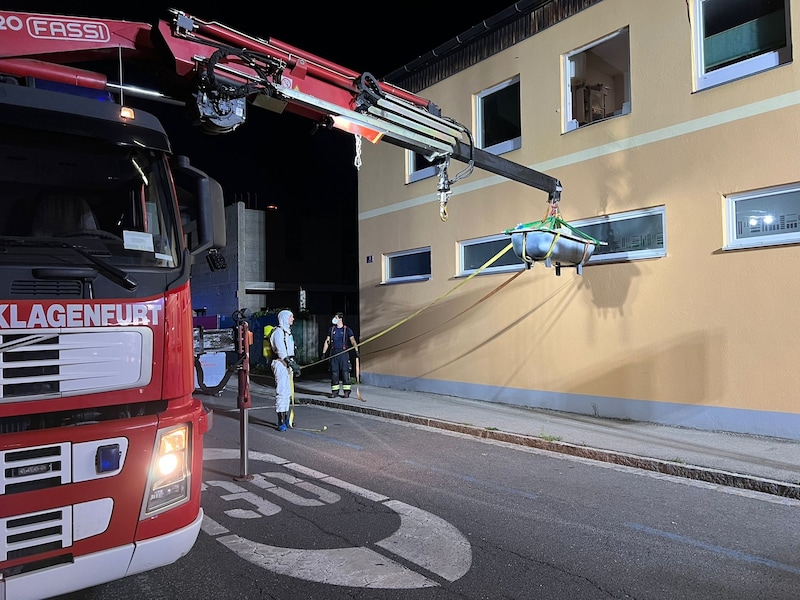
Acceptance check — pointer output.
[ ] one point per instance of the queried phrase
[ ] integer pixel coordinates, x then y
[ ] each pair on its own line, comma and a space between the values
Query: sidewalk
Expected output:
763, 464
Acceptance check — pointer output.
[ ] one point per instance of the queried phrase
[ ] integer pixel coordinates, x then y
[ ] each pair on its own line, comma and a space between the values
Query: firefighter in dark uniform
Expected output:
340, 341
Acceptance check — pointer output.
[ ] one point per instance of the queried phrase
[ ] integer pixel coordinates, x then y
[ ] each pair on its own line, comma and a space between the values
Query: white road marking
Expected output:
422, 538
428, 541
261, 481
353, 567
212, 528
265, 507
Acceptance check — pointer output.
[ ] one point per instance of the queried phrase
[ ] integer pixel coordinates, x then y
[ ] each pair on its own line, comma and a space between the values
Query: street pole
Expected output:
243, 400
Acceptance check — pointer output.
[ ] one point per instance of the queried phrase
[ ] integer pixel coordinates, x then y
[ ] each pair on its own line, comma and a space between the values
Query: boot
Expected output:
286, 419
281, 421
347, 393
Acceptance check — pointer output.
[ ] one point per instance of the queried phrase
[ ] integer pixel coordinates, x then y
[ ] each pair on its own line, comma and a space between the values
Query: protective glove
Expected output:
292, 364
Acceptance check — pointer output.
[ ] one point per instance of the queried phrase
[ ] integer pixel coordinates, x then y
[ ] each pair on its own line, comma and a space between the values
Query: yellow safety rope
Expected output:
291, 399
424, 308
442, 297
387, 330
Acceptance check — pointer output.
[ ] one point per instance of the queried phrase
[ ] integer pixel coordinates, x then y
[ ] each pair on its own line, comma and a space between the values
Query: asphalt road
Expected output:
355, 506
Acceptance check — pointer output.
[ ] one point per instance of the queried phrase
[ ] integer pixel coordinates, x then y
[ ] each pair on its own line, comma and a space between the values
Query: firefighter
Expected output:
340, 341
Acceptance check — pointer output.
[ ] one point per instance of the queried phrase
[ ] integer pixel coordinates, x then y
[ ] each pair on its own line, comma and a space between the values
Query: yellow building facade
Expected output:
677, 137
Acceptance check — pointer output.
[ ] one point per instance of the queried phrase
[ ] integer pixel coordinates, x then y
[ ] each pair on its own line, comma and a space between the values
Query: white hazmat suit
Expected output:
283, 347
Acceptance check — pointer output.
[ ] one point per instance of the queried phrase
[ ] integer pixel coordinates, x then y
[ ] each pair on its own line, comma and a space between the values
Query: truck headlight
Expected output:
169, 472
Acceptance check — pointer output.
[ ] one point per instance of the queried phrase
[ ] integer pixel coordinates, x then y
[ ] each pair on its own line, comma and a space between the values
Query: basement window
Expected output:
475, 253
407, 265
765, 217
598, 85
630, 235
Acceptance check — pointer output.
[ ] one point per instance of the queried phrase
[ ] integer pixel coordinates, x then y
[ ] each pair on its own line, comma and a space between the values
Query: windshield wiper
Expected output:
116, 275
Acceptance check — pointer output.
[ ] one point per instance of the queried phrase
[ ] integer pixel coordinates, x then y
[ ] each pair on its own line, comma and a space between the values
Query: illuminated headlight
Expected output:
169, 472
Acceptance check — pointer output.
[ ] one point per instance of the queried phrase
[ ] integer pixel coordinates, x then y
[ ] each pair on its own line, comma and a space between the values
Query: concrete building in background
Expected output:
252, 274
225, 290
674, 128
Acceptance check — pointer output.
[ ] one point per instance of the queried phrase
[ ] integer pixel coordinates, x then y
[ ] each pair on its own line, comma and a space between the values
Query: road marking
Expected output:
428, 541
352, 567
260, 480
265, 507
423, 539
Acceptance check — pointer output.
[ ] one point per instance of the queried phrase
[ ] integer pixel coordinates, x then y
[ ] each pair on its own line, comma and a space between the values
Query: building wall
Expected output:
252, 265
701, 338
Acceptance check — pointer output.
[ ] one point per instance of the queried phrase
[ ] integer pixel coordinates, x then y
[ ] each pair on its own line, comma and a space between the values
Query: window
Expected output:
418, 167
473, 254
129, 217
598, 81
497, 113
736, 38
409, 265
630, 235
766, 217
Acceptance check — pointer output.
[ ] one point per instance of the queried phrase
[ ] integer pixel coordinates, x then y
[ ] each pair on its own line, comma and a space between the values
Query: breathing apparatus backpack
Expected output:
268, 351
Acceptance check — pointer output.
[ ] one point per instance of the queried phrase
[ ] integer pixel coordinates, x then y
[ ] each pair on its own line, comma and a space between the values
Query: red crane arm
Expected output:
223, 70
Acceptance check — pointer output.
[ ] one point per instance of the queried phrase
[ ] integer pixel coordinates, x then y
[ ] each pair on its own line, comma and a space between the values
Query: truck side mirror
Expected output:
202, 206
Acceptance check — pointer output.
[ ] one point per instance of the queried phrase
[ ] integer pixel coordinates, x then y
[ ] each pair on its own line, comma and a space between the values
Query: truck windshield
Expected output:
115, 200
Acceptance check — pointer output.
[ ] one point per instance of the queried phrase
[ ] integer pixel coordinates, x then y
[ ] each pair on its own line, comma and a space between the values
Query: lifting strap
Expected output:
552, 222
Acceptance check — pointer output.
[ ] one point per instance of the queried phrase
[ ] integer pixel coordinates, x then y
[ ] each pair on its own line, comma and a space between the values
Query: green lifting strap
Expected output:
552, 223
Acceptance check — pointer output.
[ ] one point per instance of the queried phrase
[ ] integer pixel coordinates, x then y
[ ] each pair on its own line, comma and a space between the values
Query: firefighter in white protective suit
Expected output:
284, 366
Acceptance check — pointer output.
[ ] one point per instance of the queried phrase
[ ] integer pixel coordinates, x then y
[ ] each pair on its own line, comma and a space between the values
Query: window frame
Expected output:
571, 70
626, 255
743, 68
413, 173
388, 257
731, 201
489, 239
478, 103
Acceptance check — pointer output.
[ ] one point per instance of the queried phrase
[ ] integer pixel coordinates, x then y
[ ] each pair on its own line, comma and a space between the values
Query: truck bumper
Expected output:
102, 567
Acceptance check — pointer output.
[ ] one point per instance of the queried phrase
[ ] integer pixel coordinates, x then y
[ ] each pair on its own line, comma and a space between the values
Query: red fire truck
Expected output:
100, 436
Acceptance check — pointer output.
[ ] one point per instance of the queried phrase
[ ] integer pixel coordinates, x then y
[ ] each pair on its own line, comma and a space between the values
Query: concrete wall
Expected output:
223, 292
702, 337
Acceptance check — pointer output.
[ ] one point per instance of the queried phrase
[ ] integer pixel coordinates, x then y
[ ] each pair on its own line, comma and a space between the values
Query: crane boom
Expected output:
223, 71
289, 78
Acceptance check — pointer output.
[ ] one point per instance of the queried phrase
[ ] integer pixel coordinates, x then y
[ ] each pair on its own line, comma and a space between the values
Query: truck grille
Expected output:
52, 363
49, 467
33, 533
29, 469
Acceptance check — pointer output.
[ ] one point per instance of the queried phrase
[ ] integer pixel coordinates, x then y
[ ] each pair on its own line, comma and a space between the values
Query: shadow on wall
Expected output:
695, 357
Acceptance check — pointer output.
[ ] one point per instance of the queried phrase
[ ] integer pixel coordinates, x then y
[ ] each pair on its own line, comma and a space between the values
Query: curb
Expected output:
708, 475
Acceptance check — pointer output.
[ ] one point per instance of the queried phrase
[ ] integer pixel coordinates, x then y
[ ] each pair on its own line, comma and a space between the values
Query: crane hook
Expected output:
443, 196
443, 188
